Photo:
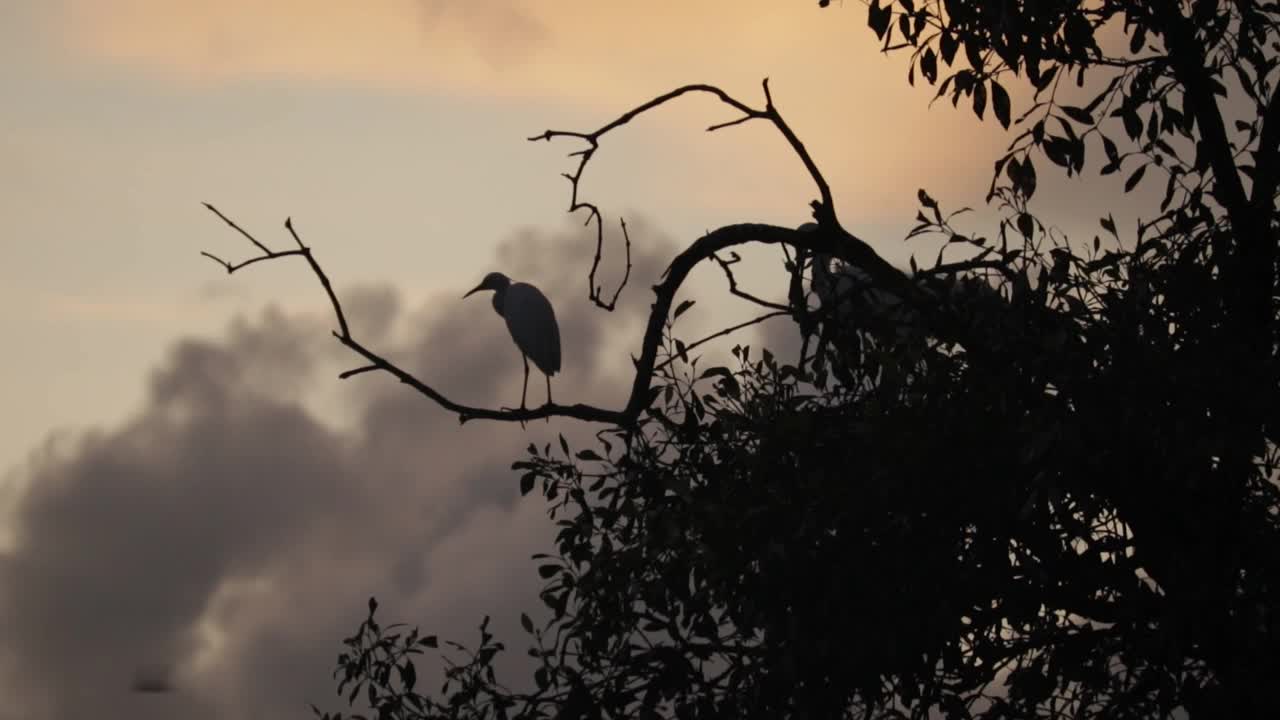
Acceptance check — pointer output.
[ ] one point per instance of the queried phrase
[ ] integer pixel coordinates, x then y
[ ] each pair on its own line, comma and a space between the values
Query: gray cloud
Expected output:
230, 531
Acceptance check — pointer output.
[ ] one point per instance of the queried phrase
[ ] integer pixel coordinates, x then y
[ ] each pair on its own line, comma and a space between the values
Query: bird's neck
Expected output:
499, 297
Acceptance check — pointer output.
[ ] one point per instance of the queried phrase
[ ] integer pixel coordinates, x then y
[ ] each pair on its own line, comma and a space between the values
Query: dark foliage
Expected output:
1064, 505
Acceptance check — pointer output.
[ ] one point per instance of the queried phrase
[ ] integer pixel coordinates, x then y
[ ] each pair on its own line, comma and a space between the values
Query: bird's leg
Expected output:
525, 389
548, 377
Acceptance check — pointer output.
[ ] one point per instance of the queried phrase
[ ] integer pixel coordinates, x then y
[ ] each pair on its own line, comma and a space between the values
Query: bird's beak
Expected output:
474, 290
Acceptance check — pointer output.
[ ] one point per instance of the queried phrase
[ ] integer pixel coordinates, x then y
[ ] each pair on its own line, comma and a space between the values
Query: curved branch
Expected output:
834, 242
721, 333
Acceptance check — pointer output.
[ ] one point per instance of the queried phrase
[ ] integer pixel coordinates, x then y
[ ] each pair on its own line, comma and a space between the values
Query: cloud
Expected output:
228, 535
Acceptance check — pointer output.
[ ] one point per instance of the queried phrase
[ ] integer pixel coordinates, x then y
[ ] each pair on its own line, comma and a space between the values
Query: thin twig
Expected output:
721, 333
238, 229
733, 283
357, 371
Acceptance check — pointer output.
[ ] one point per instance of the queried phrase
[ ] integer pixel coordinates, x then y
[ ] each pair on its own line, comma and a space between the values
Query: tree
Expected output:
1058, 498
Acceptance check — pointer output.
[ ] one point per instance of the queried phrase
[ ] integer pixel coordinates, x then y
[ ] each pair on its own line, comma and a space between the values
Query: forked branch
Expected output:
592, 140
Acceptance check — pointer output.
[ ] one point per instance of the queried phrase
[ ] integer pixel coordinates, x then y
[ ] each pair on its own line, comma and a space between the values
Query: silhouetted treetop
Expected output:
1036, 478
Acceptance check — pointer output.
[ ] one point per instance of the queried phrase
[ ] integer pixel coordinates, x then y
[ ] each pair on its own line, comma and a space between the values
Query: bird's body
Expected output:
532, 323
851, 296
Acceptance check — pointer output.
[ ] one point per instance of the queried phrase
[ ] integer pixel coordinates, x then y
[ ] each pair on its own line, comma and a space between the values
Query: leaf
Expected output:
1109, 147
654, 392
1139, 38
1047, 77
1135, 178
588, 455
1097, 99
722, 371
526, 623
979, 99
929, 65
1080, 115
925, 200
1168, 191
408, 676
1108, 223
373, 605
878, 18
564, 445
1058, 150
1028, 177
429, 641
526, 483
1026, 224
948, 45
1132, 124
973, 52
546, 571
682, 307
1000, 103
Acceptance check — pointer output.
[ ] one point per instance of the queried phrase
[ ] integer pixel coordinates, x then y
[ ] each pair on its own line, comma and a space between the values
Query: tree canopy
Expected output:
1055, 496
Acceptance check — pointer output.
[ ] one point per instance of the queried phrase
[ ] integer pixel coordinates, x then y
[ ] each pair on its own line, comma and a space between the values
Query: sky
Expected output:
184, 481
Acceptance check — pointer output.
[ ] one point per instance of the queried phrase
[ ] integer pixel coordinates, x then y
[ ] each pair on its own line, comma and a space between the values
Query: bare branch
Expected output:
324, 280
230, 267
626, 275
238, 229
377, 362
725, 265
357, 371
592, 139
726, 331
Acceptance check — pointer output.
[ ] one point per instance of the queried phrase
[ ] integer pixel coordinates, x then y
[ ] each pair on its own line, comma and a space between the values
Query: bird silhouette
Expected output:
532, 323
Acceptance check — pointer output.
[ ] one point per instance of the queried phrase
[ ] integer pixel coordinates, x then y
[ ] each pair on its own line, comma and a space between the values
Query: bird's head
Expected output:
493, 281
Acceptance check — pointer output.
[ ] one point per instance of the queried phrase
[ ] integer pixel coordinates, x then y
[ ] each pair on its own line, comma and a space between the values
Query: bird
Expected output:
852, 294
532, 323
855, 299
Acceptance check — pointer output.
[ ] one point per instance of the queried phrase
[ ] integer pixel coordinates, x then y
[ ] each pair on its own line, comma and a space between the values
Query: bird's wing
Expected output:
533, 326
